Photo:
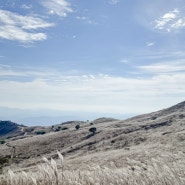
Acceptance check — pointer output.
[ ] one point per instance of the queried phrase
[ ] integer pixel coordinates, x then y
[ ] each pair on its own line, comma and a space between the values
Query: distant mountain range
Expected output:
11, 129
49, 117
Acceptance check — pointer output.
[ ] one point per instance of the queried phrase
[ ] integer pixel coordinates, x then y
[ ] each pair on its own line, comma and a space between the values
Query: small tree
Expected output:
2, 141
40, 132
93, 130
77, 127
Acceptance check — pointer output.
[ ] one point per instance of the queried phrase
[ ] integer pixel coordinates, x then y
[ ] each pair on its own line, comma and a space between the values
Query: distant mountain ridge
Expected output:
11, 129
179, 107
8, 127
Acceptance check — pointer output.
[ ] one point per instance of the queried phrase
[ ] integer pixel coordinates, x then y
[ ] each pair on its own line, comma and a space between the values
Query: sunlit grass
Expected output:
166, 170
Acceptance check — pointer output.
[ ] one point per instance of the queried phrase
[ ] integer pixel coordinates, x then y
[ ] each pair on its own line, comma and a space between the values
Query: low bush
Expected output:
2, 142
40, 132
64, 128
93, 130
77, 127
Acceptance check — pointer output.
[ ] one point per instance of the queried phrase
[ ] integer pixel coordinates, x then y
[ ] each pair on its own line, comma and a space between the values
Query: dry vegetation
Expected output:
164, 170
144, 150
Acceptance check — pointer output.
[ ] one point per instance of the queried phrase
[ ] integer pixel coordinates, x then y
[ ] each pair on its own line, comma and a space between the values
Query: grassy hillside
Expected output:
146, 149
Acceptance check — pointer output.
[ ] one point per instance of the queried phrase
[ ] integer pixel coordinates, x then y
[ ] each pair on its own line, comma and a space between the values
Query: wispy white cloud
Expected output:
114, 2
26, 6
172, 20
164, 55
21, 28
86, 20
92, 92
165, 67
148, 44
7, 71
57, 7
180, 23
4, 66
124, 61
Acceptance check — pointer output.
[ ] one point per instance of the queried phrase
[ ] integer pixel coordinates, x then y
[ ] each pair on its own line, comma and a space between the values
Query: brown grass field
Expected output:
144, 150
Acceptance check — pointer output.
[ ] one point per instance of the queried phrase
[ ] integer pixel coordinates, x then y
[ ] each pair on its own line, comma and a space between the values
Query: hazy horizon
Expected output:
50, 117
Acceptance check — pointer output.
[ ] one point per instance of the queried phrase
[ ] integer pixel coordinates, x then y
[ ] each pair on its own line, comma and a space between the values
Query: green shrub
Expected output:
64, 128
2, 142
93, 130
77, 127
57, 129
40, 132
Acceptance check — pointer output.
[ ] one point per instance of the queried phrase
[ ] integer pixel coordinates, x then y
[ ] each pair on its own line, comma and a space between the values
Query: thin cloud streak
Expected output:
114, 2
57, 7
26, 7
149, 44
7, 71
165, 67
86, 20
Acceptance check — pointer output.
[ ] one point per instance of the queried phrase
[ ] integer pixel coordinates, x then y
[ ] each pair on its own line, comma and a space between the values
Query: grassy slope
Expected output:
160, 134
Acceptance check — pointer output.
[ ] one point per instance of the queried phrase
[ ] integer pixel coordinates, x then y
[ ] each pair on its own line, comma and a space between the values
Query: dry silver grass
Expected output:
164, 170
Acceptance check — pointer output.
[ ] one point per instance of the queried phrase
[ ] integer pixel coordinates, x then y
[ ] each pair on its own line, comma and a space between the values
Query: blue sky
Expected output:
91, 57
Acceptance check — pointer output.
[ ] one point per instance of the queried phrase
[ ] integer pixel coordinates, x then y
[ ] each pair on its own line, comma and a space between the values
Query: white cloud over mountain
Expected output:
91, 92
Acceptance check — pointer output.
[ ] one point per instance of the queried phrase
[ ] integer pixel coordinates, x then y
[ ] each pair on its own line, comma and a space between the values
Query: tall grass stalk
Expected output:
164, 170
